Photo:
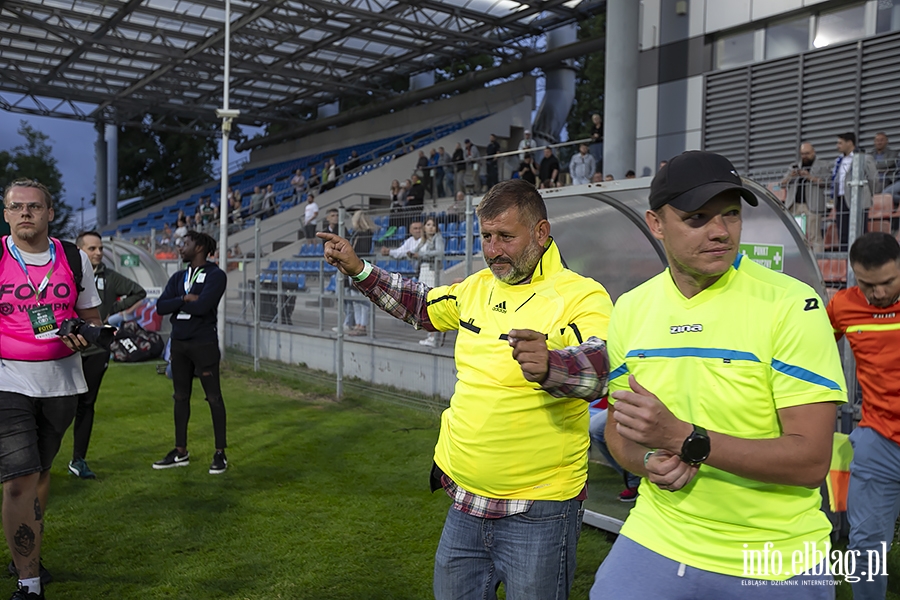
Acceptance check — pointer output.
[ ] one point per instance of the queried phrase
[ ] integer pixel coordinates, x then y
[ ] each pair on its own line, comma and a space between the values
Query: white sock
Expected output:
33, 585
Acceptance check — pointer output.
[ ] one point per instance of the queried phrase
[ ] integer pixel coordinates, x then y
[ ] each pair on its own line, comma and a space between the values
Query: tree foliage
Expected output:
152, 161
34, 160
589, 81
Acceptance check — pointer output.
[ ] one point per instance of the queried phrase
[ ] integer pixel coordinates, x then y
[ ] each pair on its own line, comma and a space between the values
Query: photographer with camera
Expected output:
110, 286
43, 283
192, 298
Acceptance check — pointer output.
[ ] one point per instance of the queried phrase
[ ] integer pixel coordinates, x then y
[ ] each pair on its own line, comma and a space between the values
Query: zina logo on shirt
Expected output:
685, 328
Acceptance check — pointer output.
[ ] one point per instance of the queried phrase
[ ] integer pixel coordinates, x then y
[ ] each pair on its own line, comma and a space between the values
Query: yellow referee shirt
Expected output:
502, 436
727, 359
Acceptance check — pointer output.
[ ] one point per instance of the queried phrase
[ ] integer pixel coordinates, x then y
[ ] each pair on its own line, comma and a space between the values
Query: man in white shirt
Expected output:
582, 166
527, 142
310, 216
43, 282
841, 177
409, 246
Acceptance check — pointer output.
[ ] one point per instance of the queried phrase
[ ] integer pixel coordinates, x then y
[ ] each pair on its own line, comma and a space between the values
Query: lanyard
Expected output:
18, 256
189, 281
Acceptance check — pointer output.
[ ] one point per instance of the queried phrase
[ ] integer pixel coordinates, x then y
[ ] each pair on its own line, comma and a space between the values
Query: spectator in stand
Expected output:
528, 171
459, 168
415, 199
236, 208
629, 174
256, 202
430, 254
609, 177
310, 217
298, 182
423, 173
361, 240
197, 223
398, 205
353, 163
886, 163
165, 239
181, 230
597, 177
331, 221
207, 210
598, 436
473, 166
457, 210
491, 167
805, 192
314, 182
437, 173
549, 170
841, 176
408, 246
269, 202
330, 176
526, 143
597, 140
446, 163
582, 166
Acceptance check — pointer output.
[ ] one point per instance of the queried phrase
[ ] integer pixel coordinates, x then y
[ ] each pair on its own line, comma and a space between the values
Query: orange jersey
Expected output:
874, 336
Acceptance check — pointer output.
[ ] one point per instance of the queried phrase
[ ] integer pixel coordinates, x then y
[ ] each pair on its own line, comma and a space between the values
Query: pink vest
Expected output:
17, 339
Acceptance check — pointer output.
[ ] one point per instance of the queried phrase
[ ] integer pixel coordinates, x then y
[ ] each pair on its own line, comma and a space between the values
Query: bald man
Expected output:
805, 183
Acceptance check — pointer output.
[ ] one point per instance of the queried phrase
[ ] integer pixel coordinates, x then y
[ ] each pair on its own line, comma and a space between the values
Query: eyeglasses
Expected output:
17, 207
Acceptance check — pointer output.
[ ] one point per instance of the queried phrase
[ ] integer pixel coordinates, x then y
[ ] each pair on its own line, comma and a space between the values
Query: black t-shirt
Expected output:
548, 165
526, 173
458, 158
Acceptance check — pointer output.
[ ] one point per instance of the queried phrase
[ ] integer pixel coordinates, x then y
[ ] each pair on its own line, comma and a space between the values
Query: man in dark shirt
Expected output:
549, 172
491, 163
192, 298
528, 170
111, 286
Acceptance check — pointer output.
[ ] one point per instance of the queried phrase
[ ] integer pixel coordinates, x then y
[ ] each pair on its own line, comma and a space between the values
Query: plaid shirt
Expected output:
573, 372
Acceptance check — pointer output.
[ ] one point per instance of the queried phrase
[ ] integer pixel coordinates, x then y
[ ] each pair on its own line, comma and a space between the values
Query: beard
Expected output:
521, 266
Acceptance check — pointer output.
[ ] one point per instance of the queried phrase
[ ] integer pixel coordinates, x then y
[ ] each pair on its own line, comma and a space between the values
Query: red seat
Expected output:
834, 270
881, 212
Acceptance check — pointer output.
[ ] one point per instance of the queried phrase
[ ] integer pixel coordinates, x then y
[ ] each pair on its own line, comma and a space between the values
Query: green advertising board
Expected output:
771, 256
129, 260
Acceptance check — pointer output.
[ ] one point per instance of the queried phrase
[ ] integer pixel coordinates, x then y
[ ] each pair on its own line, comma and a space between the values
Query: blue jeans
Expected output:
597, 428
633, 572
873, 502
532, 553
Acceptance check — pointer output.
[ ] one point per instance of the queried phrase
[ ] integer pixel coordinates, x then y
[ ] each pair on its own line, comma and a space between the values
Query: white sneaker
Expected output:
430, 341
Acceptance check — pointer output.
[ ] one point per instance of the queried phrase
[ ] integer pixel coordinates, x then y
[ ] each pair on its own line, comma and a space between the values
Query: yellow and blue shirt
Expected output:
727, 359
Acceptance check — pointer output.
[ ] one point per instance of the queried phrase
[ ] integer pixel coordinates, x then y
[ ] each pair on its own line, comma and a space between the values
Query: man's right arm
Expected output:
171, 300
122, 286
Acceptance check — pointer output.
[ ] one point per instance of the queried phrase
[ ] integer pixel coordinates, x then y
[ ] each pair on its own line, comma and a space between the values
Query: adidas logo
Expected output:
500, 307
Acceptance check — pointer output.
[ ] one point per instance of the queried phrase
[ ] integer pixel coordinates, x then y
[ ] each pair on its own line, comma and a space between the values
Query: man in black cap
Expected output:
723, 388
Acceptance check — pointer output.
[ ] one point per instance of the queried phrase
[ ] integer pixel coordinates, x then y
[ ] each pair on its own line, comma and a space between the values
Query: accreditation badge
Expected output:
43, 322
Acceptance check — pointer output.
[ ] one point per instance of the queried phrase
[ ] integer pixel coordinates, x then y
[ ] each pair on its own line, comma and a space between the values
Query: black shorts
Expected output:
31, 430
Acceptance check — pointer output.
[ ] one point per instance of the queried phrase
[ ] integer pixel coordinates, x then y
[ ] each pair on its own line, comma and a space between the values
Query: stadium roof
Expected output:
117, 60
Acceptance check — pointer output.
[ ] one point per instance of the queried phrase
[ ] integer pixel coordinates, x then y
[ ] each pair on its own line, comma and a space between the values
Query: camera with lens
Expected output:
100, 336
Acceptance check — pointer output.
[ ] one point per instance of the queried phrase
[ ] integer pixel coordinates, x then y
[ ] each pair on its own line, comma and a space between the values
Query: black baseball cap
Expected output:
693, 178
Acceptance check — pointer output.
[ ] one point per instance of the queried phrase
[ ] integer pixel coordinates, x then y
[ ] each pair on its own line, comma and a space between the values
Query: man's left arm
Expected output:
209, 296
130, 291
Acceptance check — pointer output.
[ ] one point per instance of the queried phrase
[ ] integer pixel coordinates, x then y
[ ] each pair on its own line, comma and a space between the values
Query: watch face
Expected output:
698, 449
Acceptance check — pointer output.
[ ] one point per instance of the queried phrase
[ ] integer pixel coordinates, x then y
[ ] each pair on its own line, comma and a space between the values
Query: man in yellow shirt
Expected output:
512, 455
723, 387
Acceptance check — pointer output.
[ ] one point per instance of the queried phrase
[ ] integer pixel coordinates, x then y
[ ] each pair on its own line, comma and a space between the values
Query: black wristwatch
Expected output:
695, 448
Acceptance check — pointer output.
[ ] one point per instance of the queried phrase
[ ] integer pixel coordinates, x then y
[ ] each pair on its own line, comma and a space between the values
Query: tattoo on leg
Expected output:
38, 514
24, 540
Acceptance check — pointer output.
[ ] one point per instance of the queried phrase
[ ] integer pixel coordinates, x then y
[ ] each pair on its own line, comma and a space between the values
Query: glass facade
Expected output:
787, 38
734, 50
841, 25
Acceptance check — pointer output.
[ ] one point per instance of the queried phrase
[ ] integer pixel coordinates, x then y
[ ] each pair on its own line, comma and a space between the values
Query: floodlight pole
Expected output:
227, 115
